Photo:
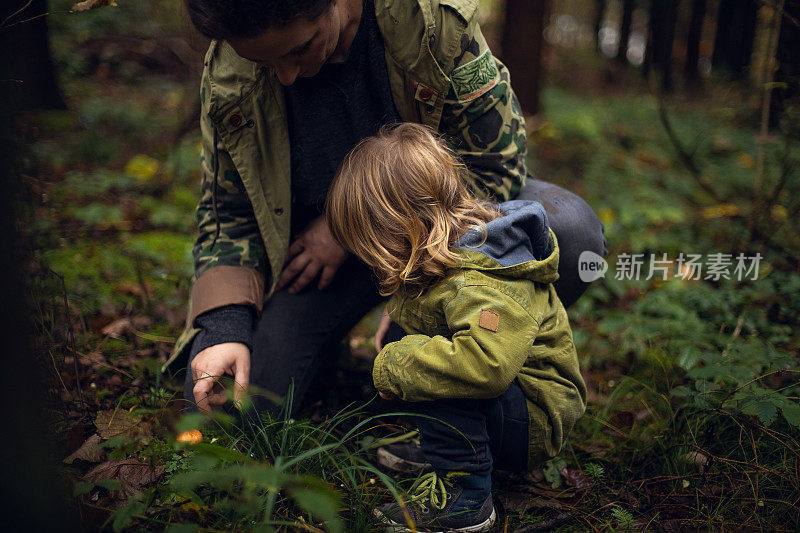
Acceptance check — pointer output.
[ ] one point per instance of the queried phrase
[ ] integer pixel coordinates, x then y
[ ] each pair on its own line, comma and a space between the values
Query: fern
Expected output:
595, 471
623, 518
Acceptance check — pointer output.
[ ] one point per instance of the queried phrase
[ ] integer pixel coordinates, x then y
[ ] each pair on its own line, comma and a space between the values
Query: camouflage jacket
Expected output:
441, 73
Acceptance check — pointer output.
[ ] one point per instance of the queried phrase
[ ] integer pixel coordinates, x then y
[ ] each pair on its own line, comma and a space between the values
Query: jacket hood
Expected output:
519, 244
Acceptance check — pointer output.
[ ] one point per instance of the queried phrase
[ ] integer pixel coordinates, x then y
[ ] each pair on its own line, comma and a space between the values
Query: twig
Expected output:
2, 28
15, 13
55, 367
762, 376
766, 97
70, 337
685, 157
101, 363
737, 330
142, 283
546, 525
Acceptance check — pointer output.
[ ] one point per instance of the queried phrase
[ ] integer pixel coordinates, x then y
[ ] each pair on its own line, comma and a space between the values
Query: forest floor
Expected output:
693, 411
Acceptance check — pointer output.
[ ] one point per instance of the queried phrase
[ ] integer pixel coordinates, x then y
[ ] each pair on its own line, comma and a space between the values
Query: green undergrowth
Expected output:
694, 416
262, 472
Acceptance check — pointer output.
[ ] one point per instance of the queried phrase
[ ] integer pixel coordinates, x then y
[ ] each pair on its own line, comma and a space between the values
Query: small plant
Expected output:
623, 518
595, 471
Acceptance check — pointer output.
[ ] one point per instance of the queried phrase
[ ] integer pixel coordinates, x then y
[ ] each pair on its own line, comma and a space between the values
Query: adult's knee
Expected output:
577, 229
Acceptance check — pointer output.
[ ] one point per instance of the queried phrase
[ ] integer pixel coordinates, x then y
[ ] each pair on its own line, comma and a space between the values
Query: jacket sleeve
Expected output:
484, 122
476, 362
229, 254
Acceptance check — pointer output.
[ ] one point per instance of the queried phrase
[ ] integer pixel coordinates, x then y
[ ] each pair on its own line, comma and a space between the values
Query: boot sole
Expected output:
398, 464
393, 527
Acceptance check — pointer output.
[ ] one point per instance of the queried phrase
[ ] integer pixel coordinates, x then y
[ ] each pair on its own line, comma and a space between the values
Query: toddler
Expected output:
488, 360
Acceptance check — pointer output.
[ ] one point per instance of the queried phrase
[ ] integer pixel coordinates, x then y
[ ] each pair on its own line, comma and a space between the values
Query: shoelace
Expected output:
429, 488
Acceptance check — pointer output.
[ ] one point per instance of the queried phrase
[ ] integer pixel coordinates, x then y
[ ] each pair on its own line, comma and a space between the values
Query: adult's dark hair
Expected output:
228, 19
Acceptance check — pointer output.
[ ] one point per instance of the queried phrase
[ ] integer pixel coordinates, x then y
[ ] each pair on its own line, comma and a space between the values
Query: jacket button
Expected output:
425, 94
279, 211
235, 120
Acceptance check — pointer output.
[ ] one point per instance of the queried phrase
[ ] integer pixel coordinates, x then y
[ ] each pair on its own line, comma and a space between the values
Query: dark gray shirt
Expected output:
331, 112
328, 115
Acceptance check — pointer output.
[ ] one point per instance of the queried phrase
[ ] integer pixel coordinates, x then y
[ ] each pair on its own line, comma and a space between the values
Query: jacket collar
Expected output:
409, 30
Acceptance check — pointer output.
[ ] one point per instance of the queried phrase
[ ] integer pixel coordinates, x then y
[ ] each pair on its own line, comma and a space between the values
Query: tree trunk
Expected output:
625, 31
25, 60
736, 29
522, 47
663, 17
600, 11
743, 32
690, 71
787, 93
721, 55
33, 484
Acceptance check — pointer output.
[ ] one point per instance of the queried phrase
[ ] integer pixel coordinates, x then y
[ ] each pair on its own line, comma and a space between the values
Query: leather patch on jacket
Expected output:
489, 320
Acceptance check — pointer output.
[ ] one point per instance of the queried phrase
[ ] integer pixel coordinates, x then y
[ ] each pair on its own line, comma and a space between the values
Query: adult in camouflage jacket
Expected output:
441, 73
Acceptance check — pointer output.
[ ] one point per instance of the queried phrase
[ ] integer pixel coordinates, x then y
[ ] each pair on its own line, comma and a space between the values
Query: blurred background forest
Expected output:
677, 121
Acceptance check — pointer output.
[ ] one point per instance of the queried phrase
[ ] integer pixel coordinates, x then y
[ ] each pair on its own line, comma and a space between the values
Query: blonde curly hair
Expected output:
398, 202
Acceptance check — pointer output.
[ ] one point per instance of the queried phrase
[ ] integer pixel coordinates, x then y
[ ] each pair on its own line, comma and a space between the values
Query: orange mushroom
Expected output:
190, 437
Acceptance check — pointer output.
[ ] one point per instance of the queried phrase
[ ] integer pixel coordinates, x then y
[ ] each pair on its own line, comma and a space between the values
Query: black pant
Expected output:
474, 436
297, 331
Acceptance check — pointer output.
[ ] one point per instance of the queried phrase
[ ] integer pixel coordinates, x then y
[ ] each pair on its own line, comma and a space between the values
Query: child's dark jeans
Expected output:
469, 435
474, 436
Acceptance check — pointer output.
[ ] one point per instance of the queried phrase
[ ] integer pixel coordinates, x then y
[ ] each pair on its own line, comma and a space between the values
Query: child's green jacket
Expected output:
493, 319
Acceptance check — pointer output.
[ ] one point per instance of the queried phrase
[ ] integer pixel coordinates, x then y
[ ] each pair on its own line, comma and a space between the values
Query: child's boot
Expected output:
454, 502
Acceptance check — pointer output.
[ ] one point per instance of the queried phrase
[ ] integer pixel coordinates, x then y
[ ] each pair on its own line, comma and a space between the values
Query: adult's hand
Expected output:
383, 327
313, 251
208, 366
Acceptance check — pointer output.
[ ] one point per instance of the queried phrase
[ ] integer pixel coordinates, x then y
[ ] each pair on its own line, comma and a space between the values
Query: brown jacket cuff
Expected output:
226, 285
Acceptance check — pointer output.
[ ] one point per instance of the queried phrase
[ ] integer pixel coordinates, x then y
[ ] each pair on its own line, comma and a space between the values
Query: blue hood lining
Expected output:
520, 236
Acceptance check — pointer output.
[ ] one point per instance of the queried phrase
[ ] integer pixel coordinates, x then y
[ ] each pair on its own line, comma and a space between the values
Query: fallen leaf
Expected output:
535, 476
117, 328
121, 326
142, 167
94, 359
520, 502
698, 459
86, 5
746, 160
596, 449
130, 288
112, 423
132, 473
721, 210
576, 478
89, 451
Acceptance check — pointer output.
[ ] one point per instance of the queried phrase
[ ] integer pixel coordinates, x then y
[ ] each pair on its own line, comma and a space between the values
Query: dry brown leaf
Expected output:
94, 359
89, 451
117, 328
576, 478
132, 473
520, 502
86, 5
112, 423
535, 476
